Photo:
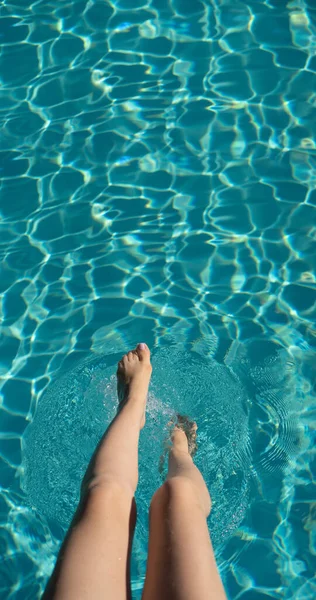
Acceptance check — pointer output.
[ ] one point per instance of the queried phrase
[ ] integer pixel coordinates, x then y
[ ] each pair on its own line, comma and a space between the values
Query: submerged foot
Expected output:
133, 377
184, 435
182, 438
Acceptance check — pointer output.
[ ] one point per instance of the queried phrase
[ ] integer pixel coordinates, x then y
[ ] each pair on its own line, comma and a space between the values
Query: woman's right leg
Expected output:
94, 560
181, 563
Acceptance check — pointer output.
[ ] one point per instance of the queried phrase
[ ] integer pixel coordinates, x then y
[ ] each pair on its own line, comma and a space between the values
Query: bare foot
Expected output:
133, 377
184, 435
182, 438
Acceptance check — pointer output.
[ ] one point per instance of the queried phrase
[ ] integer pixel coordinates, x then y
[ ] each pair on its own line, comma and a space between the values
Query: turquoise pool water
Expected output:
157, 166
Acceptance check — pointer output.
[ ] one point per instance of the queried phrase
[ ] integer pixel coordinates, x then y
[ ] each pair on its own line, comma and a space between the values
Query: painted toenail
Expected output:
142, 346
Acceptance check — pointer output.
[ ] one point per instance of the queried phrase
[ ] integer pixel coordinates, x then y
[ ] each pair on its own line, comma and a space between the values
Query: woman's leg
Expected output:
181, 563
93, 563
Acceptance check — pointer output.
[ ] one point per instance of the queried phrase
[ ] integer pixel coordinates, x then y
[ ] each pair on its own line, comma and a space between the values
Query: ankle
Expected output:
180, 444
180, 453
133, 409
135, 397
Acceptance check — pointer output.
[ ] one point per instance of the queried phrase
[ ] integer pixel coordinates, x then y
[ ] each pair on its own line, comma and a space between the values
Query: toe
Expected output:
143, 352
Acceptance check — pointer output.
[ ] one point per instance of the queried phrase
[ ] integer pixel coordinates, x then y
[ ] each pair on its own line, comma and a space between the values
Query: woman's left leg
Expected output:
181, 562
94, 559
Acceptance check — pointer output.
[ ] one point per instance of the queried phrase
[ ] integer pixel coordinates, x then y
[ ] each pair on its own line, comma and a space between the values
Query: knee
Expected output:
104, 498
179, 492
107, 492
182, 491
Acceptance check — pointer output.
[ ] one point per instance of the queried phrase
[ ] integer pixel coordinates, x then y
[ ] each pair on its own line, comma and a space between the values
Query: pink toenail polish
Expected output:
142, 346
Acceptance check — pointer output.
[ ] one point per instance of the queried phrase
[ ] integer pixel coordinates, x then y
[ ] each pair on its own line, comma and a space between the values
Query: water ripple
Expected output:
157, 182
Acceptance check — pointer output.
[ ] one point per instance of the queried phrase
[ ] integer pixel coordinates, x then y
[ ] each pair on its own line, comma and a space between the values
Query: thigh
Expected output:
181, 563
95, 557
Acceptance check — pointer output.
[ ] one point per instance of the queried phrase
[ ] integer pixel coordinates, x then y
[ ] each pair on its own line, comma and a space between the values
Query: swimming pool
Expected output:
158, 184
